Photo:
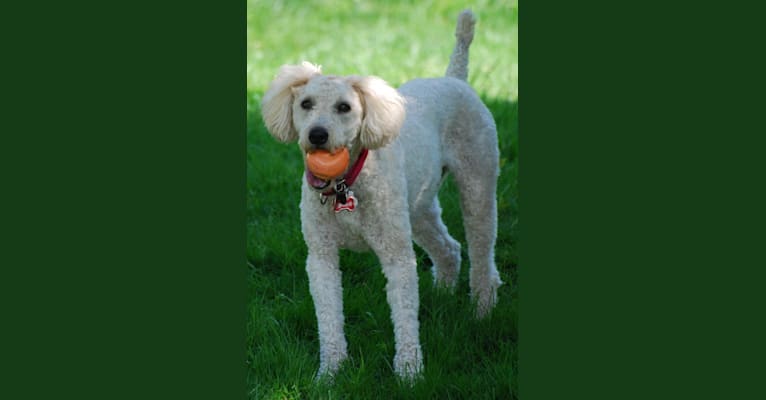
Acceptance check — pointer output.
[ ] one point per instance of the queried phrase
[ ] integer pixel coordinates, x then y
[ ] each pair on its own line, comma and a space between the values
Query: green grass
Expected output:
396, 40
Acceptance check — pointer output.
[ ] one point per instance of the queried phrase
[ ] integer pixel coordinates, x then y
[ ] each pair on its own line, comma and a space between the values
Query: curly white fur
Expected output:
277, 102
417, 134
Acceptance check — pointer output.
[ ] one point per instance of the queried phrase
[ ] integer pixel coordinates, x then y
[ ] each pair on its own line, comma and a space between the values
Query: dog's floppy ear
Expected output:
277, 103
383, 111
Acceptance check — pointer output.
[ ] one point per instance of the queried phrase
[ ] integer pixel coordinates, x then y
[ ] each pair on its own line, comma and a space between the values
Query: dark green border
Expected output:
124, 182
640, 231
123, 201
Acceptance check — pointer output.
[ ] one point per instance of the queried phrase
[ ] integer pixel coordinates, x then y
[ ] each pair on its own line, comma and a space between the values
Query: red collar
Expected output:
352, 174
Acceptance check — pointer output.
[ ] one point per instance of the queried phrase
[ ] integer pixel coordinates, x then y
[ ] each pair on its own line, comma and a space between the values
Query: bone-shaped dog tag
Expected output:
349, 205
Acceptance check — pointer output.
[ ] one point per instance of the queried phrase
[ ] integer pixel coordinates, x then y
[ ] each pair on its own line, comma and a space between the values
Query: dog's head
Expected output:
330, 112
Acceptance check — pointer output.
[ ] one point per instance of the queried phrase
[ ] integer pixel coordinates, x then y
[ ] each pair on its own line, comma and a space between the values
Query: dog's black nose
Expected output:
318, 135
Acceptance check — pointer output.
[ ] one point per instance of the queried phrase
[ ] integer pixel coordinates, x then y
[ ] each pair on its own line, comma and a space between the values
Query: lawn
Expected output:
396, 40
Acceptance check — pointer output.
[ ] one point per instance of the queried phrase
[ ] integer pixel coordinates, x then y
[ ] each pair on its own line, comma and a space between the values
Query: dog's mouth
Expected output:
322, 166
315, 182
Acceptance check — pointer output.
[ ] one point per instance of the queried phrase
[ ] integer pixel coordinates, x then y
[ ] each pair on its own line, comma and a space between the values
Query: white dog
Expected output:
402, 143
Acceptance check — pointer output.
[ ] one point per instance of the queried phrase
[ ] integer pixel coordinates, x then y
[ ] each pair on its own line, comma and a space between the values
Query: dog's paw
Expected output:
329, 364
325, 376
326, 373
485, 299
408, 365
445, 279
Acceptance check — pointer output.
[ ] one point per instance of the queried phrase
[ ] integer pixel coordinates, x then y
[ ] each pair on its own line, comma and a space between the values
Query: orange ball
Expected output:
326, 165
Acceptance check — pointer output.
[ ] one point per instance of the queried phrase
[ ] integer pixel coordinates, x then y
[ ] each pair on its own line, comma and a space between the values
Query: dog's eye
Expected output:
344, 108
307, 104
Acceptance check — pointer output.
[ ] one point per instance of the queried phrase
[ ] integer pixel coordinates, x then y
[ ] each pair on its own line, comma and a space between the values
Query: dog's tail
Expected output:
458, 61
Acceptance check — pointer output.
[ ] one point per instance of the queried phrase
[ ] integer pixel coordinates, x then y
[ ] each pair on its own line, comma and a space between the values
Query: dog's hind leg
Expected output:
430, 233
476, 179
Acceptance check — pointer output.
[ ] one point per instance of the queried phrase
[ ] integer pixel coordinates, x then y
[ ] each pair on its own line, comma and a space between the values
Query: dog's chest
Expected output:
351, 230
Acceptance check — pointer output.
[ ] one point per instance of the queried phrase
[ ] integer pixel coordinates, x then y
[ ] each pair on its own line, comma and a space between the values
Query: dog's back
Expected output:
450, 108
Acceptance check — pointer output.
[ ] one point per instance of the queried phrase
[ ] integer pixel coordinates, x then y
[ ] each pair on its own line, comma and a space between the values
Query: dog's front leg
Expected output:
325, 286
400, 269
